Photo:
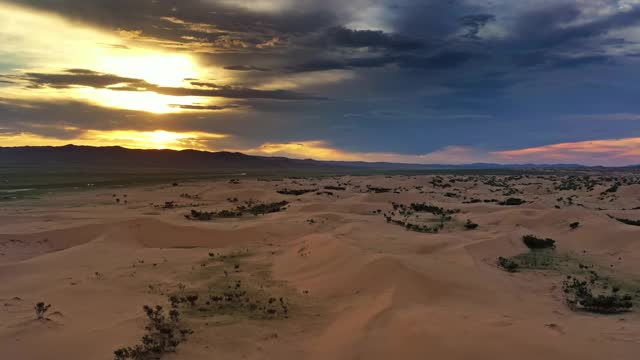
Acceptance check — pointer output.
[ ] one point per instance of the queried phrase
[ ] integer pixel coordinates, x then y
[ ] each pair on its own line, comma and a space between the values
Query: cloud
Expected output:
475, 23
322, 150
604, 117
624, 151
443, 60
88, 78
245, 68
203, 107
609, 152
375, 39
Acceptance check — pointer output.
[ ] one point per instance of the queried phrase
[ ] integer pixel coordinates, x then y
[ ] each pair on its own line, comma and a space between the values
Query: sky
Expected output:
412, 81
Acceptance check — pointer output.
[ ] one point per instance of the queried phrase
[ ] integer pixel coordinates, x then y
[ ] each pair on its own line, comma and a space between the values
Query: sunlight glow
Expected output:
38, 50
156, 68
140, 101
157, 139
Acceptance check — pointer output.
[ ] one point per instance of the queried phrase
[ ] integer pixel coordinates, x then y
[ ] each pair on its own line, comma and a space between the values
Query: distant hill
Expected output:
115, 157
474, 166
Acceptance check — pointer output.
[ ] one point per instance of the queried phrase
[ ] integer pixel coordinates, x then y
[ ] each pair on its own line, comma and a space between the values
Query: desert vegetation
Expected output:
276, 272
163, 336
512, 202
377, 189
410, 215
535, 243
584, 295
250, 207
628, 221
584, 288
41, 309
469, 225
296, 192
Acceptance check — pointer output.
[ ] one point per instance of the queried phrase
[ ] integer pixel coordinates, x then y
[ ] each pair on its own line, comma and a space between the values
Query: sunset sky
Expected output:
414, 81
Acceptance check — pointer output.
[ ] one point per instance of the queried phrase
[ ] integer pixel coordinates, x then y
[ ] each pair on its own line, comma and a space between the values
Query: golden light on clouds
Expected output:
156, 68
322, 150
137, 100
157, 139
53, 44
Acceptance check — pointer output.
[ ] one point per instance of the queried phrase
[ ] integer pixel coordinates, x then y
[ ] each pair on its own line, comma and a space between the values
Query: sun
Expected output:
163, 69
138, 100
157, 139
156, 68
170, 70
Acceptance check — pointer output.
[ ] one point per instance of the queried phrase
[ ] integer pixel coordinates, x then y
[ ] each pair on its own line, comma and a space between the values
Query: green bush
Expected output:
629, 222
512, 202
296, 192
579, 296
163, 336
507, 264
470, 225
535, 243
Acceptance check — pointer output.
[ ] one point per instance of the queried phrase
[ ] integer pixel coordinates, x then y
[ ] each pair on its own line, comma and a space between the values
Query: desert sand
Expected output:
356, 286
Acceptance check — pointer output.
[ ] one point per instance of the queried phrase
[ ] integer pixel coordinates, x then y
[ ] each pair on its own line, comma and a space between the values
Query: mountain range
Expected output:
116, 157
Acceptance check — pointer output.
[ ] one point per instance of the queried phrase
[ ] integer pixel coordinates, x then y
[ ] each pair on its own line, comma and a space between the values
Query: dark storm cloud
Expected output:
474, 23
376, 39
543, 60
426, 34
443, 60
550, 27
88, 78
174, 20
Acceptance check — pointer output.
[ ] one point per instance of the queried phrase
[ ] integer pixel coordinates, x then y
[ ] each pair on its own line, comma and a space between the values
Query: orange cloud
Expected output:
321, 150
595, 152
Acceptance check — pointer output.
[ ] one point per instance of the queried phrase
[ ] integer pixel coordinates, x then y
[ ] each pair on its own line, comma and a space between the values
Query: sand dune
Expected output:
358, 286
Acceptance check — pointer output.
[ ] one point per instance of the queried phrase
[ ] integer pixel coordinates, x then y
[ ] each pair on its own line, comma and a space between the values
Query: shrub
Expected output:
574, 225
579, 296
512, 202
470, 225
534, 242
227, 214
614, 188
629, 222
435, 210
297, 192
200, 215
377, 190
163, 336
422, 228
267, 208
41, 309
336, 188
507, 264
472, 201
